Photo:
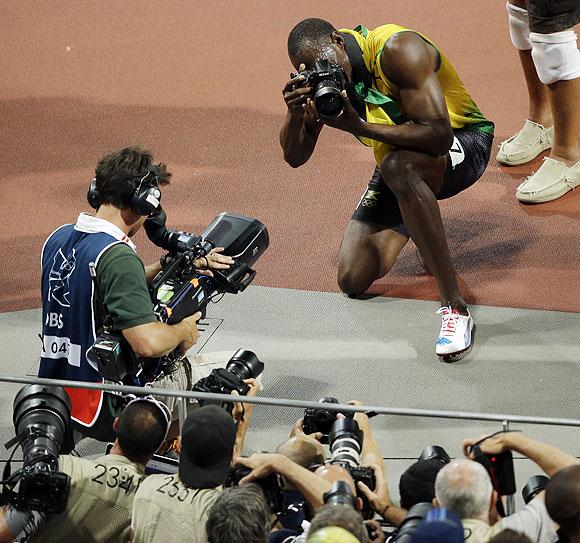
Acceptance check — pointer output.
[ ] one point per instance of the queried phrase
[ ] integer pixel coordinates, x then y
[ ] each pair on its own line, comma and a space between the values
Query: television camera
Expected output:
179, 290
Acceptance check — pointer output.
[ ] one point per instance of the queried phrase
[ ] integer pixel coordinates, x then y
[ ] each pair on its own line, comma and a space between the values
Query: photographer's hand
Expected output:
489, 444
311, 486
301, 128
298, 430
190, 332
380, 499
549, 458
370, 452
348, 121
242, 413
376, 534
295, 95
214, 260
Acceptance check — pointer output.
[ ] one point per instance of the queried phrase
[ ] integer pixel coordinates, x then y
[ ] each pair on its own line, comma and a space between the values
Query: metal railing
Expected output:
343, 408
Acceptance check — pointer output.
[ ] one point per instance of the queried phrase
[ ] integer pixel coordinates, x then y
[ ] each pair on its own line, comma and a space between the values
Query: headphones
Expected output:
163, 409
145, 199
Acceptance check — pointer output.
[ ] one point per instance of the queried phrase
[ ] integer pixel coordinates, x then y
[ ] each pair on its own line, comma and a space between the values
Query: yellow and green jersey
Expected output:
381, 96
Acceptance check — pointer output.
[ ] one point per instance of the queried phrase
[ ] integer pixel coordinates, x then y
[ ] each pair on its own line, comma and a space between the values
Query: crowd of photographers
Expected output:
326, 483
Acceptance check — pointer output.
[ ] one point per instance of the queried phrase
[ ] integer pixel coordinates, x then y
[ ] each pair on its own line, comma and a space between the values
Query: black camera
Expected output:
113, 356
345, 439
318, 419
41, 417
415, 516
178, 290
243, 365
500, 468
270, 486
327, 80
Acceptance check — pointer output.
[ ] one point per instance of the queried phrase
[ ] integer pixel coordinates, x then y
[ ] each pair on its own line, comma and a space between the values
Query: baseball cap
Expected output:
440, 526
332, 534
207, 444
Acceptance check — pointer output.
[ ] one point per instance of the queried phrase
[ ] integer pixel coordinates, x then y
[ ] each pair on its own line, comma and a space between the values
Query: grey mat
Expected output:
379, 351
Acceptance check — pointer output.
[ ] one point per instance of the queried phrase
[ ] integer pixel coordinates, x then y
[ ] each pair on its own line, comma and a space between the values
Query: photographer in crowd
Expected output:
464, 487
355, 456
92, 278
563, 501
378, 498
101, 494
166, 503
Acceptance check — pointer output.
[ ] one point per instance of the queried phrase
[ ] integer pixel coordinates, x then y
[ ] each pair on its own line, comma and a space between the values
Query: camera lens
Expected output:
345, 440
434, 452
535, 484
245, 365
414, 518
46, 410
327, 99
340, 494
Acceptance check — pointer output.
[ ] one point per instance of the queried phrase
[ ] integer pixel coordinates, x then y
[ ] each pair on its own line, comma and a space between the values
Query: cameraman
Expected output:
176, 506
91, 276
101, 490
464, 487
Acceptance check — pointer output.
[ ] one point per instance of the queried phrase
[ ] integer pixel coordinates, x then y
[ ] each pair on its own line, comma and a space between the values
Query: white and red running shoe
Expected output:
455, 337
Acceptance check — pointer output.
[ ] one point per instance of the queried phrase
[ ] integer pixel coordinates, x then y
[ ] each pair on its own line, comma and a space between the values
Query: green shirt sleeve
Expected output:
122, 287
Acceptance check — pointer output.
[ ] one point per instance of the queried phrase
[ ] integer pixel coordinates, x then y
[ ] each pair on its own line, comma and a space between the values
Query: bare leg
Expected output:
539, 96
367, 253
565, 100
539, 99
415, 178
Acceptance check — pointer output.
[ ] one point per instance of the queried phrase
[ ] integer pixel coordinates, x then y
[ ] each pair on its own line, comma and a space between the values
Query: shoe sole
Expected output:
454, 357
508, 162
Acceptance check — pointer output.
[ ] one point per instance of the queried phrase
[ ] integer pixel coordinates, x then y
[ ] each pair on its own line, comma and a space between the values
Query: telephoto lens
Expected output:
345, 439
435, 452
415, 516
340, 494
41, 416
245, 365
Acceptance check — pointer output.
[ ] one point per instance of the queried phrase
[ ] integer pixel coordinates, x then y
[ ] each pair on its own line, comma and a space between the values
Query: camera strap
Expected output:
7, 474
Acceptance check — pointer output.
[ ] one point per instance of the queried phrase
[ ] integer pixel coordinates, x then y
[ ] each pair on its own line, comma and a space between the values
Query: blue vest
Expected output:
68, 313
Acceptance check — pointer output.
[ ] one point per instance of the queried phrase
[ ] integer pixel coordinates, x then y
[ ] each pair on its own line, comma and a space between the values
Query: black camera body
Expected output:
242, 365
41, 417
270, 485
327, 81
113, 356
318, 419
179, 291
500, 468
42, 489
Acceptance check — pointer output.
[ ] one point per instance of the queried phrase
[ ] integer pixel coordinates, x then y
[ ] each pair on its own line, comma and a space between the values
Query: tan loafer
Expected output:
551, 181
526, 145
